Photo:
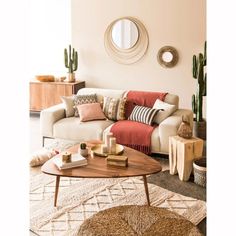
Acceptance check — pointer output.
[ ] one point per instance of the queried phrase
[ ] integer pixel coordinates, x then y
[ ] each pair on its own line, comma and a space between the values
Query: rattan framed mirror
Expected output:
126, 40
167, 56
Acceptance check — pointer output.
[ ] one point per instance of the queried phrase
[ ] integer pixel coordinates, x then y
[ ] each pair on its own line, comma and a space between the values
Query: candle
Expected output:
104, 149
107, 140
66, 157
112, 145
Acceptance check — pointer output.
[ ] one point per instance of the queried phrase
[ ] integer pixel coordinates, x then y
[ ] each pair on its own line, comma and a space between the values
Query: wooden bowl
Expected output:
45, 78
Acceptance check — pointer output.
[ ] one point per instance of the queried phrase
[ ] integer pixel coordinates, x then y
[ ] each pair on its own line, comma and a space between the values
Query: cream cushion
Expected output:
168, 109
41, 156
72, 129
68, 103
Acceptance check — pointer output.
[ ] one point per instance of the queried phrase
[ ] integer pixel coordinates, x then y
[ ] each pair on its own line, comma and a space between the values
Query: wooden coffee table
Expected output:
139, 164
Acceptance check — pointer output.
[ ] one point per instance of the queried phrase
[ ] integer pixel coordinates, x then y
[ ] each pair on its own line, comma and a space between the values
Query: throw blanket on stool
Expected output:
135, 134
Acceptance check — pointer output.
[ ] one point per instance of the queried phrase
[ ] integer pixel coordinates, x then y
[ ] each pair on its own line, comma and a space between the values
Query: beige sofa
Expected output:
54, 124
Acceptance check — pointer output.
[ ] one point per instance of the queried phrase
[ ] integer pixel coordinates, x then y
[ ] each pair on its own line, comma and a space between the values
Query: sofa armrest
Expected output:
48, 117
170, 125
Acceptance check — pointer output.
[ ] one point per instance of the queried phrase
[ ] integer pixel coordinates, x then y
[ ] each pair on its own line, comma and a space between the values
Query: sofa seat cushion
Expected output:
71, 128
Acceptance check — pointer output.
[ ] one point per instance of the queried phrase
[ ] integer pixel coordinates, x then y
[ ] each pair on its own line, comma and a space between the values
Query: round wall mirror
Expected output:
167, 56
124, 34
126, 40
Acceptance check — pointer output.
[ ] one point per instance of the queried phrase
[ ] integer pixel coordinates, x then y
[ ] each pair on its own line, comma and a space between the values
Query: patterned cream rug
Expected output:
78, 199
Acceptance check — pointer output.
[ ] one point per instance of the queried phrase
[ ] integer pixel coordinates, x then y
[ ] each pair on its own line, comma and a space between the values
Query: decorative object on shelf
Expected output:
199, 170
60, 78
83, 150
117, 160
66, 157
45, 78
98, 152
167, 56
71, 62
185, 131
119, 44
199, 63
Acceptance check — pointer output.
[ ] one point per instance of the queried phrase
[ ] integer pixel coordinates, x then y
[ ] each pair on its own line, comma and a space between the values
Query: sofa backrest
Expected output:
115, 93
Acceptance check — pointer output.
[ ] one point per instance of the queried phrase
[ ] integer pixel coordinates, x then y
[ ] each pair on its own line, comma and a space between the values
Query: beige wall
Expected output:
179, 23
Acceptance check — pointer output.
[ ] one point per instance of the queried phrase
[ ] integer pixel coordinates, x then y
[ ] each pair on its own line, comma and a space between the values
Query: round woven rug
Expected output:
137, 220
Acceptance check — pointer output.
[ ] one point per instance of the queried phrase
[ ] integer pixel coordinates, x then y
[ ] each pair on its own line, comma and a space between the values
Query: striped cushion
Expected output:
113, 108
143, 114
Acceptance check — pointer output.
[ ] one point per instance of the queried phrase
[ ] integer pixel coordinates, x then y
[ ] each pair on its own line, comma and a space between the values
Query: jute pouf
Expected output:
137, 220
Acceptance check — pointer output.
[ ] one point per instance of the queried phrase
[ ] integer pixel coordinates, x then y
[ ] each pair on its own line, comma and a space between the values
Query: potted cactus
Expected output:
199, 124
71, 62
83, 150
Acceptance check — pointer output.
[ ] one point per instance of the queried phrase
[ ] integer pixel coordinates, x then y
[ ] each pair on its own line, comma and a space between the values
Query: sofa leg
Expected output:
43, 141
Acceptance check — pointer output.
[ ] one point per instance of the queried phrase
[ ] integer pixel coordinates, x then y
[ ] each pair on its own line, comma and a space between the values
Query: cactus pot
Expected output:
84, 152
199, 129
71, 77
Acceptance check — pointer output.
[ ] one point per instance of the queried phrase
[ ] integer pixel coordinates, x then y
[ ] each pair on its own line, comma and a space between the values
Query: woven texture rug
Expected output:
78, 199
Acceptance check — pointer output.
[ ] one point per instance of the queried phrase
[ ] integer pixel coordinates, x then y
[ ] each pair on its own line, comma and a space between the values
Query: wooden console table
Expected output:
46, 94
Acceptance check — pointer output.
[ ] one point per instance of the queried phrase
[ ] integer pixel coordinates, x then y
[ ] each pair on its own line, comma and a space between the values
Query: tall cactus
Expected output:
71, 60
198, 73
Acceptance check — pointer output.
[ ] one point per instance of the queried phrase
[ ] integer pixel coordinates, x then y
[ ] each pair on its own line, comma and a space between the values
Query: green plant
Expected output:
198, 73
83, 146
71, 59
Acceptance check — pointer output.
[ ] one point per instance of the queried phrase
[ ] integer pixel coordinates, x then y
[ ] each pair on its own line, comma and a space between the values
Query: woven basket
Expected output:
199, 171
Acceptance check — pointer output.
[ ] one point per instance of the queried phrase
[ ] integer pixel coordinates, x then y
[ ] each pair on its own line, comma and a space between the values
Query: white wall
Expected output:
49, 32
180, 24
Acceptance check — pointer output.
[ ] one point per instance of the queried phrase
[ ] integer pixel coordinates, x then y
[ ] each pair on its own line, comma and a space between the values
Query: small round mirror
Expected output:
167, 56
125, 34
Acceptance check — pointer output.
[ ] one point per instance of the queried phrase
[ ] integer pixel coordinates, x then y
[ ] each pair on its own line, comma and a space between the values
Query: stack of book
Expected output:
117, 160
76, 160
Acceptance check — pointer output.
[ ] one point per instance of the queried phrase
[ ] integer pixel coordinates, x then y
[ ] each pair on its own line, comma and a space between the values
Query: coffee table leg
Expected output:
56, 190
146, 189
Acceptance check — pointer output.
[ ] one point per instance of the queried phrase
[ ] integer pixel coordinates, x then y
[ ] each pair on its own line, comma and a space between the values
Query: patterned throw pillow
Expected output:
113, 108
83, 99
143, 114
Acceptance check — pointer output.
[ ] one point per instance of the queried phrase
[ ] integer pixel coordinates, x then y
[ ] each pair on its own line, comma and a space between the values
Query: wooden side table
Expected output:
182, 153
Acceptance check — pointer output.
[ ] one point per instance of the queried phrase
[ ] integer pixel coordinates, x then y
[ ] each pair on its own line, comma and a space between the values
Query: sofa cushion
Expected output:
83, 99
166, 110
91, 111
114, 108
72, 129
143, 114
68, 103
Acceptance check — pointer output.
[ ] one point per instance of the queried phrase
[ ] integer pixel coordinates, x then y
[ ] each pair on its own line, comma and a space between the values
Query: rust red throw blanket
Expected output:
135, 134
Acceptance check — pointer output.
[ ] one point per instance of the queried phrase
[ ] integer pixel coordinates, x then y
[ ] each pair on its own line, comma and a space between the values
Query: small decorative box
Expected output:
117, 160
66, 157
